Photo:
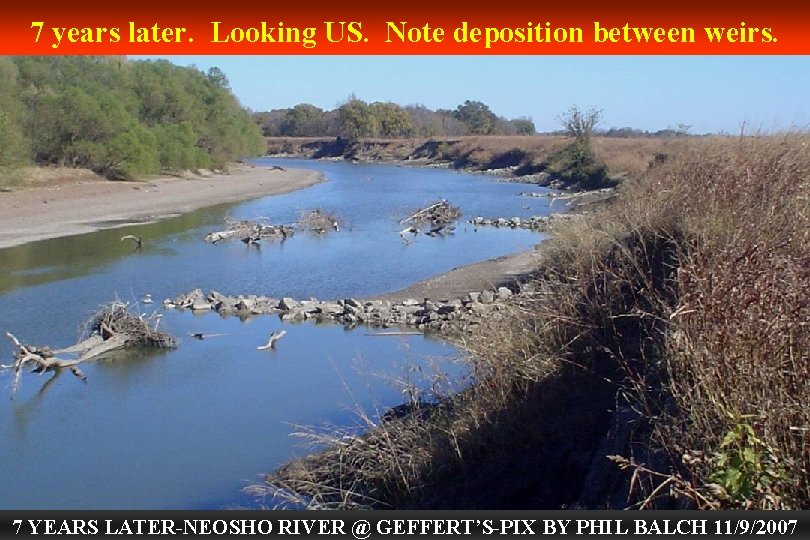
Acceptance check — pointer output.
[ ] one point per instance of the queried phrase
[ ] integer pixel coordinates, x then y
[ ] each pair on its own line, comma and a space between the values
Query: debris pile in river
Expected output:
251, 231
113, 327
437, 214
436, 218
116, 320
445, 315
318, 221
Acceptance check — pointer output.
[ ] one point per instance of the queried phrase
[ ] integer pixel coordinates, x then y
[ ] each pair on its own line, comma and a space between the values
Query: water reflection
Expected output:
186, 428
55, 259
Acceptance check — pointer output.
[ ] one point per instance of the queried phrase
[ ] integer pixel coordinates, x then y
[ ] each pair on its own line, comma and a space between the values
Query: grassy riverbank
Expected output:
661, 361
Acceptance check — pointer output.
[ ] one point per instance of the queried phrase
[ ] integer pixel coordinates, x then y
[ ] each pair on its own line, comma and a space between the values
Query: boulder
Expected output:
200, 305
504, 293
287, 304
331, 309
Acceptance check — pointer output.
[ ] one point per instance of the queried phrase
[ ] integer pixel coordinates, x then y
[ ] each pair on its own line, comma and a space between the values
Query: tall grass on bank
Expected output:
662, 360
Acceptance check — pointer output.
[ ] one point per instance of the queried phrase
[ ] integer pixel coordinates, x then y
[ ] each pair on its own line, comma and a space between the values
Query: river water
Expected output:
188, 428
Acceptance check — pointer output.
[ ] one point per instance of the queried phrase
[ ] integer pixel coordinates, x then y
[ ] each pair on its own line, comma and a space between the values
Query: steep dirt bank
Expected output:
525, 158
657, 360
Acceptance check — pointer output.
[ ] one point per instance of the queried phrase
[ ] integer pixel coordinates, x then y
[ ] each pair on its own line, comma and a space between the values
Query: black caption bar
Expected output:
383, 524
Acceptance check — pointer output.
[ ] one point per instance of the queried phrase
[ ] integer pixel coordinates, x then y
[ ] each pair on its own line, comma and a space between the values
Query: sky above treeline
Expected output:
711, 94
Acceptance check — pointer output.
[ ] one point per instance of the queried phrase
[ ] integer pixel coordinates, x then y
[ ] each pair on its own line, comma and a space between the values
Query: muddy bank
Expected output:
508, 271
84, 205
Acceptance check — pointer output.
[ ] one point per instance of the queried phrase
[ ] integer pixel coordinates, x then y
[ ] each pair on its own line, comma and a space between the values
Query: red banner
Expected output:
432, 28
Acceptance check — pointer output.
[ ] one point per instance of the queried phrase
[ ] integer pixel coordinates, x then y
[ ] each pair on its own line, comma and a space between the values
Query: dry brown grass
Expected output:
739, 348
624, 158
668, 331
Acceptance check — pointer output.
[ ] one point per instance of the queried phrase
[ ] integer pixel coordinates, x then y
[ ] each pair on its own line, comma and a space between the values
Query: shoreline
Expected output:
504, 271
73, 207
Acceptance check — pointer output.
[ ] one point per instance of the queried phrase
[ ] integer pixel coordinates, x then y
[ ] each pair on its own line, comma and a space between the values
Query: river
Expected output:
188, 428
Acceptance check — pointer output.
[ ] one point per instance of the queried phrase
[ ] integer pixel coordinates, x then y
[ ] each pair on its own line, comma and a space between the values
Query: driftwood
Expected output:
251, 232
112, 327
318, 221
438, 213
137, 239
201, 336
271, 343
42, 358
436, 219
413, 231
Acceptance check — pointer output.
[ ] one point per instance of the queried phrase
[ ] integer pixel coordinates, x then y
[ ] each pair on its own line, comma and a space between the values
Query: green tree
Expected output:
575, 164
13, 143
393, 120
477, 116
301, 120
356, 119
524, 126
124, 118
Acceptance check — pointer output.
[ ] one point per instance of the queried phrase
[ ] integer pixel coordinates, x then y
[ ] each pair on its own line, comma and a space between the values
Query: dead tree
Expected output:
112, 327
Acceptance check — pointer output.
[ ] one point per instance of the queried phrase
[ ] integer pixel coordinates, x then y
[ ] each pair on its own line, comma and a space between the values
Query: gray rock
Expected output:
200, 305
245, 304
293, 315
309, 306
487, 297
215, 297
480, 309
475, 297
287, 304
352, 302
504, 293
408, 310
227, 305
331, 309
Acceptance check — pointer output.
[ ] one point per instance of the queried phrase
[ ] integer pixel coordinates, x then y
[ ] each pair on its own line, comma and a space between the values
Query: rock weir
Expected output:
459, 314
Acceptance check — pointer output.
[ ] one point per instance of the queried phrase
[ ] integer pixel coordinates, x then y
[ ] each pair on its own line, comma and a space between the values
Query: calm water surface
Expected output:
188, 428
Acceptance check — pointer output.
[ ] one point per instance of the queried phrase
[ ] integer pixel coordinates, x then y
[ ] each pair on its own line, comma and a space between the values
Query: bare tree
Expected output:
580, 124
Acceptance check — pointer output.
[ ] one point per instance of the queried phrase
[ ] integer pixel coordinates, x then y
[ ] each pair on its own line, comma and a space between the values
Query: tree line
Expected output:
119, 118
357, 119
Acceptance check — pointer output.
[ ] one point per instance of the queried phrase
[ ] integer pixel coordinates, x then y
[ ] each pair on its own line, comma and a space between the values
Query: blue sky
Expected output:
710, 93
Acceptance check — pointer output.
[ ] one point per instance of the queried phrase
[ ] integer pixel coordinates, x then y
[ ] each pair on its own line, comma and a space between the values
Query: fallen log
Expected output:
112, 327
271, 343
43, 360
251, 231
137, 239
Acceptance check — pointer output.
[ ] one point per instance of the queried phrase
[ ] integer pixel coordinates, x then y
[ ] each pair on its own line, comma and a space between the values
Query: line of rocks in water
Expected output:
457, 314
534, 223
